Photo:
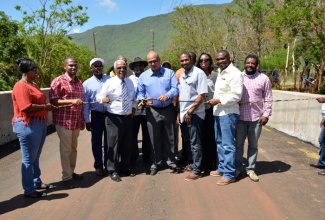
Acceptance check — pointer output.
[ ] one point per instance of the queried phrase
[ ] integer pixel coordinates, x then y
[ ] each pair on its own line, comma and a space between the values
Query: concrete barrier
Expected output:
6, 109
296, 118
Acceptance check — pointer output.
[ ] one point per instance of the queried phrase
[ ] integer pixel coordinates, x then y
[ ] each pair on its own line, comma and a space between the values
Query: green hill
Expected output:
133, 39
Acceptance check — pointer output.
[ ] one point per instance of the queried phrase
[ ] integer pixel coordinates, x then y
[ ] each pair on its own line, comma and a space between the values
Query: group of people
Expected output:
215, 110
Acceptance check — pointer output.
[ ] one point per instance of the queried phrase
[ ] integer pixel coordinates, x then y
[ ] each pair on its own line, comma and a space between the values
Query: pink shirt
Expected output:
257, 88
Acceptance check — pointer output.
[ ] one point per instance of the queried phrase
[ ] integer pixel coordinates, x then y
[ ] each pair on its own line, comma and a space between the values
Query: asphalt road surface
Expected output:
288, 188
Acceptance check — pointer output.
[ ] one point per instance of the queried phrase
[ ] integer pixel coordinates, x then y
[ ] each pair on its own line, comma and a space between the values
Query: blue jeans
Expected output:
251, 130
195, 142
225, 130
99, 128
321, 141
31, 139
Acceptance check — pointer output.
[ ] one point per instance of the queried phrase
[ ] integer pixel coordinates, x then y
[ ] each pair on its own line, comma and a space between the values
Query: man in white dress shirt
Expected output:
120, 110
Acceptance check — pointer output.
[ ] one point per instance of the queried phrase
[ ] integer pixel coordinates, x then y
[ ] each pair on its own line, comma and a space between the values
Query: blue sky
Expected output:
109, 12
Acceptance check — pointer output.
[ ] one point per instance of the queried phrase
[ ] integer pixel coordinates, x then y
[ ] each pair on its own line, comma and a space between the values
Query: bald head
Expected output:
154, 61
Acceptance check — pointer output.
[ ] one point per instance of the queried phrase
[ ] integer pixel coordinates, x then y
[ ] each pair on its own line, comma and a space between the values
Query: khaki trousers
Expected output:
68, 150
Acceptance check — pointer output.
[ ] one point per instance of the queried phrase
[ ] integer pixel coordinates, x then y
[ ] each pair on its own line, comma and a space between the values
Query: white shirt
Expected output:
228, 89
112, 89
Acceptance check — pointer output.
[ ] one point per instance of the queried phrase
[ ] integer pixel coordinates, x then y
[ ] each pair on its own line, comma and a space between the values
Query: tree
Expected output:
11, 47
254, 14
304, 19
197, 29
45, 29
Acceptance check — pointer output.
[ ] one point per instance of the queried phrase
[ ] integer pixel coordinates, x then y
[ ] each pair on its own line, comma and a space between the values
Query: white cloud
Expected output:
76, 30
108, 4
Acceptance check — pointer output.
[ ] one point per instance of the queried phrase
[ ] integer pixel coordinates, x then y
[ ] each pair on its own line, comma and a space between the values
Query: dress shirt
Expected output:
191, 85
64, 87
135, 80
152, 85
228, 89
112, 89
256, 89
92, 87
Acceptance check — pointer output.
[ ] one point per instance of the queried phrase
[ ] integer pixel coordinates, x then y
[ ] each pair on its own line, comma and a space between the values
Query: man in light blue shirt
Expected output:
96, 125
192, 90
159, 86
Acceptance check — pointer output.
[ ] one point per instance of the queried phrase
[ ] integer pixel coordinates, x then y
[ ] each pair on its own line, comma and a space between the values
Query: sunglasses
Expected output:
204, 60
138, 65
153, 61
121, 68
98, 66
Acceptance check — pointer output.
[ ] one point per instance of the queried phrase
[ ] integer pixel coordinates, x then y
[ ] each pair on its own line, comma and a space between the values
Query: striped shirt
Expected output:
63, 87
257, 88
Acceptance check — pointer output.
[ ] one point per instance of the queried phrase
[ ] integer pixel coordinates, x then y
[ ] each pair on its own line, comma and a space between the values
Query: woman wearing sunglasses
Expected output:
209, 145
29, 124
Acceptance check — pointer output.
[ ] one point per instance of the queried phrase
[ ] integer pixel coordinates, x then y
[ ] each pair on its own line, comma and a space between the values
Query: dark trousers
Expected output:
99, 129
209, 156
137, 121
193, 139
161, 128
119, 140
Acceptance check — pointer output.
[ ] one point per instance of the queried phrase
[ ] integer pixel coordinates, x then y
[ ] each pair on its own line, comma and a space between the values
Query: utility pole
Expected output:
95, 50
153, 39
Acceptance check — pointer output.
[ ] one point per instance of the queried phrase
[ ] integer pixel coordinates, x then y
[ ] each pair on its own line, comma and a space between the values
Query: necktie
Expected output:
125, 103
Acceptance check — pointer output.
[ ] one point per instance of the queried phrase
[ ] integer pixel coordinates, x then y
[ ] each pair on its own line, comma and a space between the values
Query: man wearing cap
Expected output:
159, 86
128, 73
97, 111
139, 117
167, 64
118, 94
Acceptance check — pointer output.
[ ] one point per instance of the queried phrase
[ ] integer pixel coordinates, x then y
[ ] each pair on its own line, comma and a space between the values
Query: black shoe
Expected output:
71, 184
153, 172
129, 173
115, 177
77, 176
177, 170
45, 186
322, 173
35, 194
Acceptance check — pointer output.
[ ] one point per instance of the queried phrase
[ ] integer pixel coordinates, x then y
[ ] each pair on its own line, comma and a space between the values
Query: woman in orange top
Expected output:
29, 124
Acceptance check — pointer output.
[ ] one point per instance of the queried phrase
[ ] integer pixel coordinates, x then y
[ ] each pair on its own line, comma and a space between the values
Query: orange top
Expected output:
179, 72
23, 96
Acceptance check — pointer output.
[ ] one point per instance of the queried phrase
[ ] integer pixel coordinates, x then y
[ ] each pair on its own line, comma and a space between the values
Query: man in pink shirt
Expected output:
255, 109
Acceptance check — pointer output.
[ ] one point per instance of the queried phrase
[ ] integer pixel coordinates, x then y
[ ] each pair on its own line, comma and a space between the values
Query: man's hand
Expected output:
213, 102
321, 123
105, 100
187, 118
163, 98
149, 102
264, 120
178, 119
89, 127
76, 102
321, 100
82, 126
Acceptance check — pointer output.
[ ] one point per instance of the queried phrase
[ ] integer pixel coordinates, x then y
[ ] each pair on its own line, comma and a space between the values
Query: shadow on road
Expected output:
20, 201
266, 167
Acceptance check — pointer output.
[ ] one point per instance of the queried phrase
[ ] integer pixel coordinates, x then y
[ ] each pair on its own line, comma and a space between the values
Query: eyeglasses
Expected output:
153, 61
34, 69
121, 68
98, 66
204, 60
